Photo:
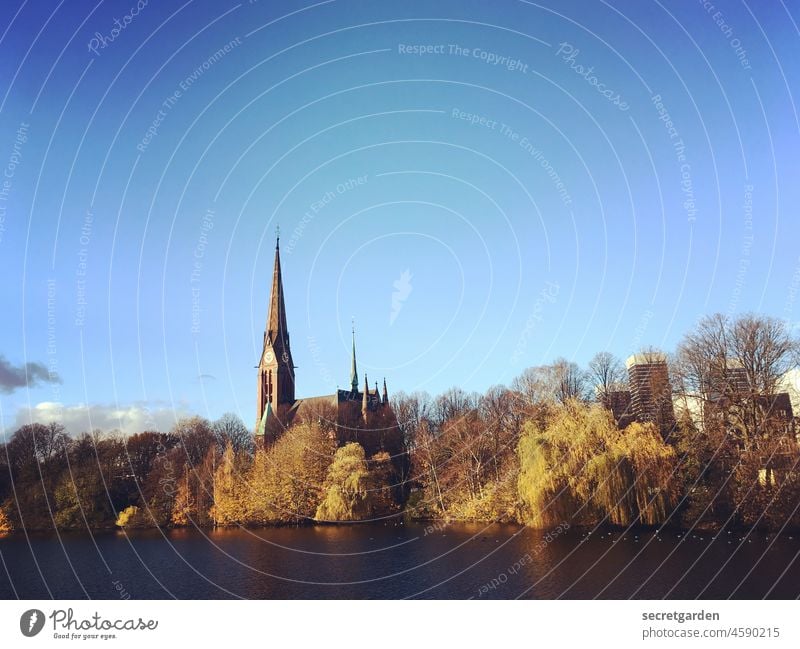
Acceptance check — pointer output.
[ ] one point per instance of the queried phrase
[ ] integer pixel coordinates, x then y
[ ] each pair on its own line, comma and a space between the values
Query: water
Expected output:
399, 561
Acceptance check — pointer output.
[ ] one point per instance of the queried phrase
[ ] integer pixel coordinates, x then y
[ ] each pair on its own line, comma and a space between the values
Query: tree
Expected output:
580, 468
184, 507
559, 382
195, 436
606, 373
728, 372
425, 460
229, 428
229, 489
569, 381
5, 524
346, 495
285, 482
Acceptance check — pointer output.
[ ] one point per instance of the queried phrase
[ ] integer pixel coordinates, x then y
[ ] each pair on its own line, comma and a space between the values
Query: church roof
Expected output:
312, 405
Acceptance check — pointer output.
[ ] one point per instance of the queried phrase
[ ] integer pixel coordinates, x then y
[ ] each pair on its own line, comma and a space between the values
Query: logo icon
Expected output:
31, 622
403, 288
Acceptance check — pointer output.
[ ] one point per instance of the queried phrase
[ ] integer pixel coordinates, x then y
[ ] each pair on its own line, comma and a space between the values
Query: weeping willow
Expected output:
579, 468
346, 487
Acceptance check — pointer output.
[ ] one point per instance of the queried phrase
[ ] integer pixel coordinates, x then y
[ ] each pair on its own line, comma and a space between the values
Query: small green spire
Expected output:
353, 369
262, 425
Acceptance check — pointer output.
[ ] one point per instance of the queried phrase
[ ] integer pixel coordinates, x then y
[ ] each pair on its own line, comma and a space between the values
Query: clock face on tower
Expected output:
269, 356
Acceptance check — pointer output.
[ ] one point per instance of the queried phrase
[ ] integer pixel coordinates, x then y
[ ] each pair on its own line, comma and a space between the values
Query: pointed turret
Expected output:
365, 400
385, 392
353, 368
277, 333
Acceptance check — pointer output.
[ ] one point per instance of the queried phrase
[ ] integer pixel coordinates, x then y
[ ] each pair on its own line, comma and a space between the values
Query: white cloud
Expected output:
129, 419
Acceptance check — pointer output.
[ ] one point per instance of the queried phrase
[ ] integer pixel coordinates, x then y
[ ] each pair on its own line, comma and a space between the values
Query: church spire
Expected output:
275, 369
365, 399
353, 369
277, 333
385, 393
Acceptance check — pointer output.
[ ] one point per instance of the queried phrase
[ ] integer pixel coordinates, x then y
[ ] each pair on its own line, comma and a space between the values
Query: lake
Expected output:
399, 561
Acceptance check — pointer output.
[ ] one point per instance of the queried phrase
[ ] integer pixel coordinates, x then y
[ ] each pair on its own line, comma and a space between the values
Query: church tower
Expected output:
275, 368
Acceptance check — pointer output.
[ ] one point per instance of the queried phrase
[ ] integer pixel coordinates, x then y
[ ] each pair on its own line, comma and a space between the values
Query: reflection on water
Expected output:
398, 561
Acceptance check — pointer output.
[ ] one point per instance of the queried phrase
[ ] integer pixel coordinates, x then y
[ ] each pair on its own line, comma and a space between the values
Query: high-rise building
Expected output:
651, 391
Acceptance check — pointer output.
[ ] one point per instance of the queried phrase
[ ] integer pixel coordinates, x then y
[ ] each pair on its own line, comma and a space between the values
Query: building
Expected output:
353, 415
618, 401
651, 390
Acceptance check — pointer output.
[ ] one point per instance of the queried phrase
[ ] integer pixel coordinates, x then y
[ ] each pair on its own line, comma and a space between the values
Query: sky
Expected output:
479, 186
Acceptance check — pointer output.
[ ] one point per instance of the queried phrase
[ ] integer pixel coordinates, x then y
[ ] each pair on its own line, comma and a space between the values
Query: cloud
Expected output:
129, 419
20, 376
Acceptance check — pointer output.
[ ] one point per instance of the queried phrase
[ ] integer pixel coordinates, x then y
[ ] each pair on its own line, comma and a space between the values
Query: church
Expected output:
364, 416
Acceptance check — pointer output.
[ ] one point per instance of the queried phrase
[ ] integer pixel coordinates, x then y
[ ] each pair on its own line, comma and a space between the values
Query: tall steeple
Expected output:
385, 392
365, 400
276, 368
277, 332
353, 369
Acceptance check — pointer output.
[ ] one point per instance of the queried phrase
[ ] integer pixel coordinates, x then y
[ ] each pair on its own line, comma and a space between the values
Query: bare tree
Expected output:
569, 381
230, 428
606, 373
732, 370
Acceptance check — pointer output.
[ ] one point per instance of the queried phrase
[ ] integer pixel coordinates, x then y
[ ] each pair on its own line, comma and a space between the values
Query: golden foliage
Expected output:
285, 480
579, 467
346, 488
127, 516
229, 490
5, 524
498, 502
184, 505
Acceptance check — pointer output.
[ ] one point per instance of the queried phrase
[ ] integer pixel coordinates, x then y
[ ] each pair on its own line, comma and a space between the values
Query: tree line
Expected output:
544, 451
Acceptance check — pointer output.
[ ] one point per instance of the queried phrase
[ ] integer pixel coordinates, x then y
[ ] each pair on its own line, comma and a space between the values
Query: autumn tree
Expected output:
346, 495
580, 468
5, 523
285, 482
230, 488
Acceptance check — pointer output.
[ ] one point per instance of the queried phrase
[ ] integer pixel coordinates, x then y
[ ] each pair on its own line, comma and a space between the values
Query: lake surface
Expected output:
399, 561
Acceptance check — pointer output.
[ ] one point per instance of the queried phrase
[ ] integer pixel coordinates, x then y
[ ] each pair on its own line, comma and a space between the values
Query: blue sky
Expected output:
449, 174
